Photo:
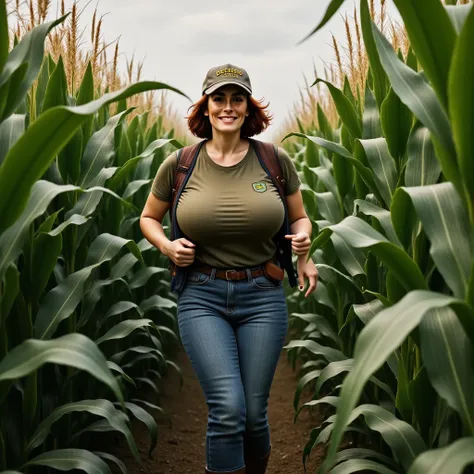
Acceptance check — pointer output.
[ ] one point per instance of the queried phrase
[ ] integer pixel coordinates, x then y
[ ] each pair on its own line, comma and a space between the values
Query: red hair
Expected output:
256, 122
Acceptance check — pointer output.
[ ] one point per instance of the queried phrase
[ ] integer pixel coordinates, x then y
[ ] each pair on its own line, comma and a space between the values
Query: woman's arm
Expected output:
150, 222
299, 221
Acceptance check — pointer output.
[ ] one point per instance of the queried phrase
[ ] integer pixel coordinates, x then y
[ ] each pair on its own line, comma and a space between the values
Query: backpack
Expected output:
268, 156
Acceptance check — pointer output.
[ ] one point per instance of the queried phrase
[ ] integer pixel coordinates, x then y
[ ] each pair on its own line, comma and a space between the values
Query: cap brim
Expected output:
213, 88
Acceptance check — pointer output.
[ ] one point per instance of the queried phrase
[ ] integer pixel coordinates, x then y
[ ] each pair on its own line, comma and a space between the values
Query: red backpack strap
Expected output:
185, 158
269, 154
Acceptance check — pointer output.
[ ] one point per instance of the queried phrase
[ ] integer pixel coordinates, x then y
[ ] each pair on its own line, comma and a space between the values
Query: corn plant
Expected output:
388, 339
86, 319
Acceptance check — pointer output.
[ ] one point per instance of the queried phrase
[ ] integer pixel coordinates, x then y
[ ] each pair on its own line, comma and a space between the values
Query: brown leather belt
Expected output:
230, 274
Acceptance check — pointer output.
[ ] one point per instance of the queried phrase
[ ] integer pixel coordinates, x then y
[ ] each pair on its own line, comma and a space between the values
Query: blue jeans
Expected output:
233, 333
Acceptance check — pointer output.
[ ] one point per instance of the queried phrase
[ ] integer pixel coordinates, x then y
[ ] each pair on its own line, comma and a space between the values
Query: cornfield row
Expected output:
86, 317
387, 343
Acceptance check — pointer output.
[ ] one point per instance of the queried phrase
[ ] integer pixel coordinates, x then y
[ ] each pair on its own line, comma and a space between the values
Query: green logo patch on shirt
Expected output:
259, 186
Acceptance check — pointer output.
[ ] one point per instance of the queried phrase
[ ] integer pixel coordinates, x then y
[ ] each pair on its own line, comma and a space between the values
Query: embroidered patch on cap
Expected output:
259, 186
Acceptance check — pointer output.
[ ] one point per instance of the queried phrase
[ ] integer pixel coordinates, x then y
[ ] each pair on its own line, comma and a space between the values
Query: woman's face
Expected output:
227, 108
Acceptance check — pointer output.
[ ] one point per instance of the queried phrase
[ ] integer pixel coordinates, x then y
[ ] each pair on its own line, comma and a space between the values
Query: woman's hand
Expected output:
308, 270
181, 252
300, 243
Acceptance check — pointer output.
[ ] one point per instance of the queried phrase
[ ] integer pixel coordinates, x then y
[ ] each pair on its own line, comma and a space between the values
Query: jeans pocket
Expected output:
197, 278
265, 283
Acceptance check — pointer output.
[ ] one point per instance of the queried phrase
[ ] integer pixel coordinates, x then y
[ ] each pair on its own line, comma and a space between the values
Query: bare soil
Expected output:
181, 446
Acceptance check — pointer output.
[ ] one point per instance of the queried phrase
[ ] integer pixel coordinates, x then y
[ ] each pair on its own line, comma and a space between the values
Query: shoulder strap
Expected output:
185, 157
269, 154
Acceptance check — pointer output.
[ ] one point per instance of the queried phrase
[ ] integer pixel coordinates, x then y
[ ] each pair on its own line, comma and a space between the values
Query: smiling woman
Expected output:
256, 121
230, 217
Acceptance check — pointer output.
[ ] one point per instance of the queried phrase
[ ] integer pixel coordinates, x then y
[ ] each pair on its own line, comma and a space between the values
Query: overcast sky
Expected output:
182, 39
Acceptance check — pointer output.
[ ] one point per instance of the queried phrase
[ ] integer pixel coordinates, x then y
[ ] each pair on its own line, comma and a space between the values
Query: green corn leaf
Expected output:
383, 166
371, 116
75, 219
324, 125
115, 459
328, 207
70, 459
402, 438
46, 250
116, 368
445, 223
327, 178
382, 335
117, 358
142, 415
62, 300
334, 276
87, 203
25, 163
461, 105
12, 241
328, 353
360, 235
355, 454
123, 329
396, 124
123, 266
321, 322
156, 302
338, 367
365, 172
135, 186
330, 12
122, 307
103, 408
141, 277
129, 166
345, 109
85, 95
100, 150
73, 350
356, 465
453, 459
302, 382
11, 130
94, 294
419, 97
382, 215
22, 66
458, 15
378, 73
352, 259
422, 166
56, 89
447, 355
42, 84
330, 400
432, 37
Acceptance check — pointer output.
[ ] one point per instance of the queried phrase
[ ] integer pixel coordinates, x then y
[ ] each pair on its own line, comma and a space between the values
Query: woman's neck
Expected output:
226, 145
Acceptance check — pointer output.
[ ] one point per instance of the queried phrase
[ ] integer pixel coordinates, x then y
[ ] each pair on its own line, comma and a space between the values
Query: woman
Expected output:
232, 330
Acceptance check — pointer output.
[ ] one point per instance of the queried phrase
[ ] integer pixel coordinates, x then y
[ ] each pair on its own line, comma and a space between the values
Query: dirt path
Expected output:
180, 447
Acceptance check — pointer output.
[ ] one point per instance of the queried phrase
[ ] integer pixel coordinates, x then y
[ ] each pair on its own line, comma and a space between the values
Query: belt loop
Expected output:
249, 274
213, 273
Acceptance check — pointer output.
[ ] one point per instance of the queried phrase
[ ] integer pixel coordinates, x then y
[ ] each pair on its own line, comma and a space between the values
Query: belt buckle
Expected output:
227, 271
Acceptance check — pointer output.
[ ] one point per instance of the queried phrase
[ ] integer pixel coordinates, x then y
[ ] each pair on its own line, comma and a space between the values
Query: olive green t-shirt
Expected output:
232, 212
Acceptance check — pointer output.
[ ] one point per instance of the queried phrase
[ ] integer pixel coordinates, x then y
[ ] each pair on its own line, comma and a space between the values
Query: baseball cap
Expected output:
226, 74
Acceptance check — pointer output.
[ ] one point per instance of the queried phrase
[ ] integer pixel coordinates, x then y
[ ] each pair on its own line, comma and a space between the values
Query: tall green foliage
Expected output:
392, 317
86, 319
